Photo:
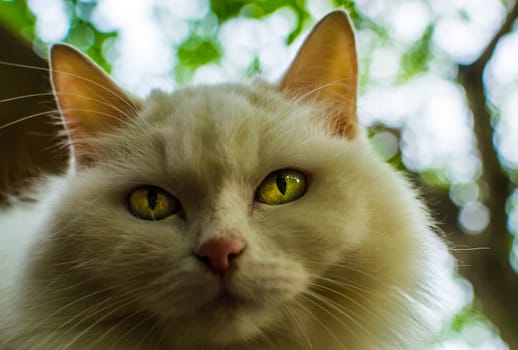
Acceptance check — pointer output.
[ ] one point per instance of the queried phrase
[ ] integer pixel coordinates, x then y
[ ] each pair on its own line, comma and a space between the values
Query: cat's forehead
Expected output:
227, 105
225, 122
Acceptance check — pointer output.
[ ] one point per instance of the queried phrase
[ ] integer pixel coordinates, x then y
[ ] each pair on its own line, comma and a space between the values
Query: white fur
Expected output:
353, 264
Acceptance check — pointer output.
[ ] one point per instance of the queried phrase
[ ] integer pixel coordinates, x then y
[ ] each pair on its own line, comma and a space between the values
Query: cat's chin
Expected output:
224, 321
232, 320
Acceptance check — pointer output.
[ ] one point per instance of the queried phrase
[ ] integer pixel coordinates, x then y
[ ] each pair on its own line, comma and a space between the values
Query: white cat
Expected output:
222, 217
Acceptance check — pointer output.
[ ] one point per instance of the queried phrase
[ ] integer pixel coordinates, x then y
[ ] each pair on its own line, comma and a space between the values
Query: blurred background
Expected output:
439, 93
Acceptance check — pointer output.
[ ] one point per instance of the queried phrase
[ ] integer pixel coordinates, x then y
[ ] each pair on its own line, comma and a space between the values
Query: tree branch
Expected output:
505, 29
493, 279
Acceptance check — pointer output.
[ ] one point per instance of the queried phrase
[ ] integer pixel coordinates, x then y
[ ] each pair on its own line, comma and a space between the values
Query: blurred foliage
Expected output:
201, 46
195, 52
16, 16
82, 33
226, 10
415, 60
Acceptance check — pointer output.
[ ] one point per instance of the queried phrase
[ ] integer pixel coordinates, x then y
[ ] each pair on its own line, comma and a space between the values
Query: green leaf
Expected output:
254, 68
416, 59
197, 51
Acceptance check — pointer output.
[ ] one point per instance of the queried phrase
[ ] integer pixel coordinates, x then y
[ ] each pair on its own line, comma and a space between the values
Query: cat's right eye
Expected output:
152, 203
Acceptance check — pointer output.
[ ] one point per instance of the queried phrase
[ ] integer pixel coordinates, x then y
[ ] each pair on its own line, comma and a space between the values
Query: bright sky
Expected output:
436, 127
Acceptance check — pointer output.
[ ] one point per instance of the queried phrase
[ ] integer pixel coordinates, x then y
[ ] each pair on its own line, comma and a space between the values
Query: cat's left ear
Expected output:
90, 102
325, 71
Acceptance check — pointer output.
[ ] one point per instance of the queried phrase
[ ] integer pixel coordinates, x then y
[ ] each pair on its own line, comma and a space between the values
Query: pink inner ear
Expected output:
325, 71
90, 102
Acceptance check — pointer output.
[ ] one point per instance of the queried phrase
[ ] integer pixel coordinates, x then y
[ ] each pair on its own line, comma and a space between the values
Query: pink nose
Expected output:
218, 253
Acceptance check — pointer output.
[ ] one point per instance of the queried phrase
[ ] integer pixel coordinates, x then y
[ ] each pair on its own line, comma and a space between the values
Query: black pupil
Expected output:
281, 183
152, 199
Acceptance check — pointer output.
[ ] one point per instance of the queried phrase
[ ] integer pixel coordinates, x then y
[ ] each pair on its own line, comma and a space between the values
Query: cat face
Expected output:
229, 211
211, 148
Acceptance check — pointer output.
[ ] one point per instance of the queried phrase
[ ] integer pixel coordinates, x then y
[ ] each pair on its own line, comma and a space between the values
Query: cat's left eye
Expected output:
281, 186
152, 203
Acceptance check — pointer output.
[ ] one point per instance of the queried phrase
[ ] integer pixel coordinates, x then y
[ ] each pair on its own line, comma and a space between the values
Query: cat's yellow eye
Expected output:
152, 203
281, 186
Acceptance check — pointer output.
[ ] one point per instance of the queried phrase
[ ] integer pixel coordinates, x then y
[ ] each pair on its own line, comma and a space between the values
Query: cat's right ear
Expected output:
90, 102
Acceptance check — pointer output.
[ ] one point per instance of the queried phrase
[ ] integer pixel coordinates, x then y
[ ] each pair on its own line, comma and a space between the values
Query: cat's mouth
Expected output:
228, 298
229, 301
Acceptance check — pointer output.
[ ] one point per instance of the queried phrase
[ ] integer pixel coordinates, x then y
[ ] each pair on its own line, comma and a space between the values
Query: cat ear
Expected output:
325, 70
90, 102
